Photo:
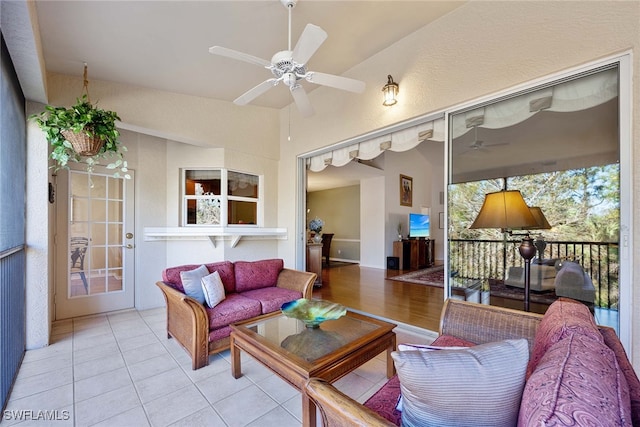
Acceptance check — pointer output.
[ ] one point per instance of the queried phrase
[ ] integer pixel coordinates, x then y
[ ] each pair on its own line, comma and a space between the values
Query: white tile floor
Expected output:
120, 370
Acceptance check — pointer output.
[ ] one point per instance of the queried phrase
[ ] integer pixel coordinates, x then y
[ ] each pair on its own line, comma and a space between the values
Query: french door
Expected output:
94, 243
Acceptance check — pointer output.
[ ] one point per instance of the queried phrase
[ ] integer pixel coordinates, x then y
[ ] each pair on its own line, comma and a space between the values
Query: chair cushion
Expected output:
384, 401
272, 298
252, 275
192, 282
234, 308
577, 382
466, 387
213, 289
563, 318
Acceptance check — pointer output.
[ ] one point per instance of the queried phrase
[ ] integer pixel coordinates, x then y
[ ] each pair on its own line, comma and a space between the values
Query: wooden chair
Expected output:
326, 246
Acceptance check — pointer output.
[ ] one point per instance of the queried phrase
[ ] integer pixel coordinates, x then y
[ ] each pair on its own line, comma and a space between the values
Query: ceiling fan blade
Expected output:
311, 39
337, 82
302, 101
234, 54
255, 92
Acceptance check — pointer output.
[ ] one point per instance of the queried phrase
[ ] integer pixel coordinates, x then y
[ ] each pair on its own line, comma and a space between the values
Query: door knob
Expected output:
129, 235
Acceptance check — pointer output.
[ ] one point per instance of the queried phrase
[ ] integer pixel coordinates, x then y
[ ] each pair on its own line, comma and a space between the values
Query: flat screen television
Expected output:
419, 225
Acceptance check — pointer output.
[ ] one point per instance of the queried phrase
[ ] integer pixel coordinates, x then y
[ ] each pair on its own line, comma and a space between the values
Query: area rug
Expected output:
429, 276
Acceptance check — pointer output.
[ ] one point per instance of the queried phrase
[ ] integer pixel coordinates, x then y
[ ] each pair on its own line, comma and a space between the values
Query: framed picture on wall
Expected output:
406, 190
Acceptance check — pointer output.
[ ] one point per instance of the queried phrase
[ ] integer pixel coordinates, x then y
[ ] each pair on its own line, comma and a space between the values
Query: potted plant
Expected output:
82, 133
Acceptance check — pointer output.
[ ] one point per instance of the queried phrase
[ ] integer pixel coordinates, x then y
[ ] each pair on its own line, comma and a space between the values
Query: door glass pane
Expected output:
95, 234
114, 234
79, 185
79, 209
98, 186
115, 211
98, 209
559, 146
98, 234
114, 188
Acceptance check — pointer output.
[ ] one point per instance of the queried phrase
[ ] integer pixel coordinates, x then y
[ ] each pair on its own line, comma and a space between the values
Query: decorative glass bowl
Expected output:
313, 312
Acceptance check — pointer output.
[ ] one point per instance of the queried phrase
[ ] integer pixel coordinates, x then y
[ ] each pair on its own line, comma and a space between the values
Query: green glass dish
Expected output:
313, 312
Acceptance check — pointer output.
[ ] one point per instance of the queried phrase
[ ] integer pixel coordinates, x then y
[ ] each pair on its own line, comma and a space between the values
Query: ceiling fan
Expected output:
289, 67
479, 145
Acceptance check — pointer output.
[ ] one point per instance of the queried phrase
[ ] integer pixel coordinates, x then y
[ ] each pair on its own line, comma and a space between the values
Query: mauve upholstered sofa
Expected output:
251, 288
577, 374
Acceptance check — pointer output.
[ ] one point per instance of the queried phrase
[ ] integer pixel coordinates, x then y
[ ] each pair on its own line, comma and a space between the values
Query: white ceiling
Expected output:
164, 44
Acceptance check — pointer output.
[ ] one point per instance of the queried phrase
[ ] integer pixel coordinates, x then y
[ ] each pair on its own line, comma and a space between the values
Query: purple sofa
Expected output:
251, 288
577, 374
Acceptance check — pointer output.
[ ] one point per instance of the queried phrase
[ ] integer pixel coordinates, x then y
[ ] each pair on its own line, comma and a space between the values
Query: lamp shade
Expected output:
542, 223
504, 209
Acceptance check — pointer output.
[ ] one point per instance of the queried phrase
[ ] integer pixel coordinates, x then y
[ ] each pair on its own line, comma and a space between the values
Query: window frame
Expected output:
224, 198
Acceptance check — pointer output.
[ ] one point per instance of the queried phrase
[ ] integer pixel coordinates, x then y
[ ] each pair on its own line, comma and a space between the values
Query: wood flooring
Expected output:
369, 290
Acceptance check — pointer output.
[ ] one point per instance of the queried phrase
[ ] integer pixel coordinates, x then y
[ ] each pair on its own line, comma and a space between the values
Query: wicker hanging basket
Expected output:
82, 143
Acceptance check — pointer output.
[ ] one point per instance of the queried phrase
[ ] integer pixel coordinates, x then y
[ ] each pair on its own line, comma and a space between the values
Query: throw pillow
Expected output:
252, 275
477, 386
577, 382
192, 284
421, 347
563, 318
213, 289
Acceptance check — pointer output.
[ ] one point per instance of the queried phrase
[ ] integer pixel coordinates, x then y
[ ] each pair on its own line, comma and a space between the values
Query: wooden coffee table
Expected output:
296, 353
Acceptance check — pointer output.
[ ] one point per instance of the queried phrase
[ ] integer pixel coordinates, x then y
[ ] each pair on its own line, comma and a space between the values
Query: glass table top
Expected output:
292, 337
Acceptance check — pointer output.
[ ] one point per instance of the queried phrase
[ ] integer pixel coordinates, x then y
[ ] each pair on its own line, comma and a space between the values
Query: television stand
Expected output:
414, 254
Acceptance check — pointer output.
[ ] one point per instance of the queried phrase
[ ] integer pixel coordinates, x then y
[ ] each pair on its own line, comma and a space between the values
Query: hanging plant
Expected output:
83, 133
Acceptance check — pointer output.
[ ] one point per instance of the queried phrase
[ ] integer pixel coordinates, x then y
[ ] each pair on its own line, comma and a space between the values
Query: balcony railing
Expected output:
490, 259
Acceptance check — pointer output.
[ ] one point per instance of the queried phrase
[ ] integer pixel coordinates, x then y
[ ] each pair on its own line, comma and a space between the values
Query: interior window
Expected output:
220, 197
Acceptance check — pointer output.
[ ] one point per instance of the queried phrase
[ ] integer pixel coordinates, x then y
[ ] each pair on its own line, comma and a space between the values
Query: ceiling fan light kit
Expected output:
289, 67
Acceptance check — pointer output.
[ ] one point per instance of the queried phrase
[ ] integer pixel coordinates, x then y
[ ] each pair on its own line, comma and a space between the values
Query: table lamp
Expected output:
508, 211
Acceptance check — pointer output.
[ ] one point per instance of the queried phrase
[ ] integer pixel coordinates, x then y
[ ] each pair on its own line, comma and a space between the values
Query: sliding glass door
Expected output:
561, 144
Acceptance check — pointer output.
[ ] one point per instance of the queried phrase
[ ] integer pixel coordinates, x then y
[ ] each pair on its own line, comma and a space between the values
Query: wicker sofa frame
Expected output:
188, 322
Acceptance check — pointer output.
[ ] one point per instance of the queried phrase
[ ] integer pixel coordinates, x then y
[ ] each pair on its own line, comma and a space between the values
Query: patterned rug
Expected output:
429, 276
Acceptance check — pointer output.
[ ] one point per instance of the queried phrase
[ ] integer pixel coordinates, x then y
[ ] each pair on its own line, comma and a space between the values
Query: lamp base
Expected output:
527, 251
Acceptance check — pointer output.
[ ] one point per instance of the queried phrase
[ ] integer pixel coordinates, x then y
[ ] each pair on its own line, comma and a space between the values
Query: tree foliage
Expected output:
580, 204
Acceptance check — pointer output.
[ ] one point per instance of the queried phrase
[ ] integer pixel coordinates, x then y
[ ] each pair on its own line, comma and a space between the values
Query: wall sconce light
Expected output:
390, 91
